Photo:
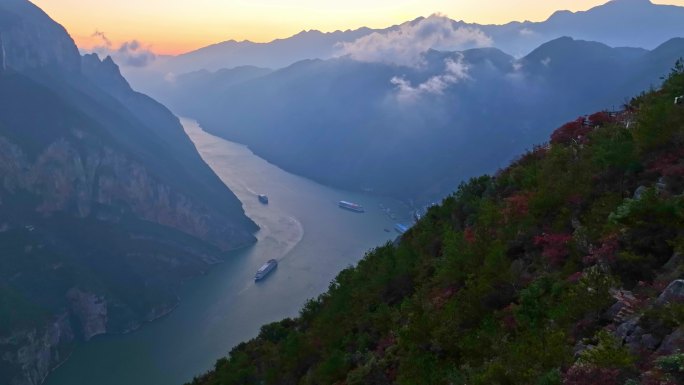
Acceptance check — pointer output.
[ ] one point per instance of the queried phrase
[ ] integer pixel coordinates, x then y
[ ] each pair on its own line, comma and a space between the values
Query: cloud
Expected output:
546, 62
527, 32
406, 44
454, 72
128, 54
103, 37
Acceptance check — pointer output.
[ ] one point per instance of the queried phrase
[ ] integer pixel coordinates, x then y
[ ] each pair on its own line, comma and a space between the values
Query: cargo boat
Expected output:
265, 269
351, 206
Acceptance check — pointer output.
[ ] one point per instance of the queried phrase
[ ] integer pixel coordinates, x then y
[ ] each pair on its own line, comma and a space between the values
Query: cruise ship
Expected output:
401, 228
263, 198
351, 206
265, 269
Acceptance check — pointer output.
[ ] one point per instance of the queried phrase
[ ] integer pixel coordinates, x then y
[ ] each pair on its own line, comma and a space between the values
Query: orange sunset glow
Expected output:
177, 26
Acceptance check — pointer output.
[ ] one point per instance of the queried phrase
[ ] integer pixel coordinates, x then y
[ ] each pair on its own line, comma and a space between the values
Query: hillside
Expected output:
105, 205
565, 267
415, 132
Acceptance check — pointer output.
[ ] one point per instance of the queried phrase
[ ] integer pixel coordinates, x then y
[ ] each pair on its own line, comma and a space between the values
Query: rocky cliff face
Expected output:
68, 176
32, 40
105, 205
36, 351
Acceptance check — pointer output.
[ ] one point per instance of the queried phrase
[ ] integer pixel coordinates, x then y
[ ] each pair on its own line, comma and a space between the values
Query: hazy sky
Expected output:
175, 26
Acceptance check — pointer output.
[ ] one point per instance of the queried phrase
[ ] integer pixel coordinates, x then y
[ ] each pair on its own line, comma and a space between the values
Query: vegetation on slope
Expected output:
561, 269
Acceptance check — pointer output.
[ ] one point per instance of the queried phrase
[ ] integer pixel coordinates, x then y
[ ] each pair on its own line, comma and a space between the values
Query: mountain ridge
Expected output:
470, 109
614, 23
105, 205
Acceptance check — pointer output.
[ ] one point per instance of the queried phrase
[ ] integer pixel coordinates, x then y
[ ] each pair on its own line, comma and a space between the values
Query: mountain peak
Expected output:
640, 2
31, 39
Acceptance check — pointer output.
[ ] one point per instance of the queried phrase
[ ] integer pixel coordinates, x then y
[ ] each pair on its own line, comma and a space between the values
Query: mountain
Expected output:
207, 85
105, 204
276, 54
633, 23
416, 132
565, 268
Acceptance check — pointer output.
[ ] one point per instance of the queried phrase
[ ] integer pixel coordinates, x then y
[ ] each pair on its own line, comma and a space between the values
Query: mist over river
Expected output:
301, 227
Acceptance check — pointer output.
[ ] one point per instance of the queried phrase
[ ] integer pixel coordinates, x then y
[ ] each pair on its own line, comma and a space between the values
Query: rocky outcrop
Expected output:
91, 311
31, 40
104, 200
673, 293
64, 177
36, 351
639, 336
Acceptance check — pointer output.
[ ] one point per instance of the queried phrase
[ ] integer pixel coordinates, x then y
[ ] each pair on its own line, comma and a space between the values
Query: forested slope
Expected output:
564, 268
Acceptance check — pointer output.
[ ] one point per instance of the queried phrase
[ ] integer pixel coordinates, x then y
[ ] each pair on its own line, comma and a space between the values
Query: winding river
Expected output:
301, 227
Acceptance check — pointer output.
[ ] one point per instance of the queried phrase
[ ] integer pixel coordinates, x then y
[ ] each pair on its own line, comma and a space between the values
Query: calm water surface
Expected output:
301, 227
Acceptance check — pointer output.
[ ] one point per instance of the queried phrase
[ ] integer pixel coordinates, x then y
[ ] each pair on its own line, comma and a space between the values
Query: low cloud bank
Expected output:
406, 44
454, 72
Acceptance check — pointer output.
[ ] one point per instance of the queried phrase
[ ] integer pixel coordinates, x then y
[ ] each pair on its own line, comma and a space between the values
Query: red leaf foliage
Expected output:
469, 235
575, 277
606, 253
580, 374
554, 247
517, 206
600, 119
569, 131
670, 164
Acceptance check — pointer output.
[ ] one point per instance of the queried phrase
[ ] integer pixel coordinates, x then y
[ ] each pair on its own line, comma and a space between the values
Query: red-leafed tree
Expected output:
669, 164
554, 247
517, 206
606, 253
600, 119
570, 131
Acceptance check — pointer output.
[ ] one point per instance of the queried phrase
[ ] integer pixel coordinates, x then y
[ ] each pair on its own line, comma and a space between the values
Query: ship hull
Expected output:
351, 207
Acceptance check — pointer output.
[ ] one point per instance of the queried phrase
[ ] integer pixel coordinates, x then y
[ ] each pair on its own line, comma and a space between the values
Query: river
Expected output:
301, 227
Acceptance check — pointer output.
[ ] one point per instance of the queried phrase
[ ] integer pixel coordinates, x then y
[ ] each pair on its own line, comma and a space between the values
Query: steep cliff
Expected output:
105, 205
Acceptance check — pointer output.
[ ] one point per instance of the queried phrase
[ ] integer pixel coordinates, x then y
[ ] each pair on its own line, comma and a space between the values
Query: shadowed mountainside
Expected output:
105, 204
416, 132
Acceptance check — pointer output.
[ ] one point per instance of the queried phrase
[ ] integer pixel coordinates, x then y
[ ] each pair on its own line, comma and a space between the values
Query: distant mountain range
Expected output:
629, 23
415, 132
105, 204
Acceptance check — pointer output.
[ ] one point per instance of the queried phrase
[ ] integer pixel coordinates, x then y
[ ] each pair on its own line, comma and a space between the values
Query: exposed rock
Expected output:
91, 311
579, 347
35, 352
78, 147
649, 341
613, 311
673, 268
674, 293
64, 177
639, 192
672, 343
31, 40
629, 330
